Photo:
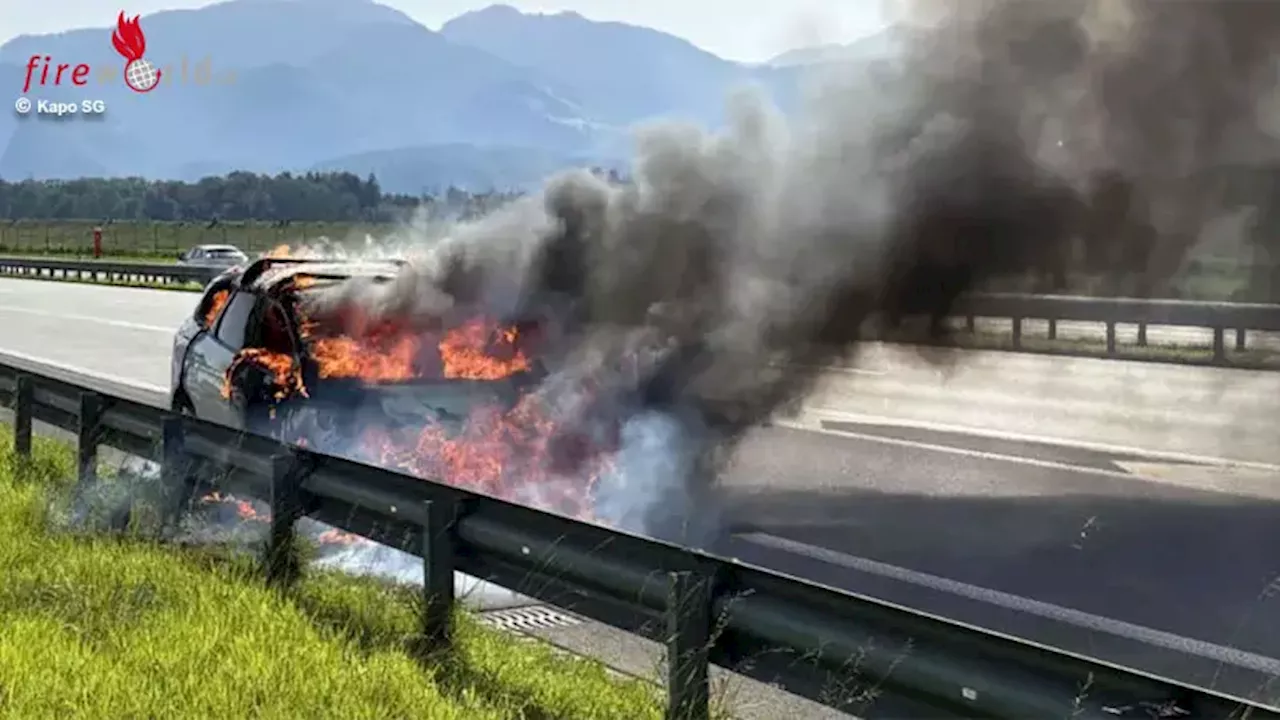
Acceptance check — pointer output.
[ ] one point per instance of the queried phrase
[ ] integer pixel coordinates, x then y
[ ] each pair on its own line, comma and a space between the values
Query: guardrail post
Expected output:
1240, 339
282, 562
1219, 345
23, 415
438, 549
688, 646
1111, 337
1017, 333
1142, 334
88, 436
1053, 328
970, 323
175, 468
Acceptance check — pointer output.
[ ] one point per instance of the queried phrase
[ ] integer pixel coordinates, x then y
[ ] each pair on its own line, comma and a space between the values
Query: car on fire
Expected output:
244, 359
266, 353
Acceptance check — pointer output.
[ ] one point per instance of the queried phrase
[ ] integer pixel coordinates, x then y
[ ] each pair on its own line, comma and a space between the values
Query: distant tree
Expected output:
238, 196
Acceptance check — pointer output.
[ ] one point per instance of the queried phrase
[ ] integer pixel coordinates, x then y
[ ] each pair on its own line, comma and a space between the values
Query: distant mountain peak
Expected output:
501, 12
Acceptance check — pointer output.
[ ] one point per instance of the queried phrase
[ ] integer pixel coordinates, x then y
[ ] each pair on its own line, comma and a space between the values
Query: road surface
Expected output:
1032, 494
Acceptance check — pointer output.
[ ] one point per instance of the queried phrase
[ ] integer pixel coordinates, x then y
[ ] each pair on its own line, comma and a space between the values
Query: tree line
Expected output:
238, 196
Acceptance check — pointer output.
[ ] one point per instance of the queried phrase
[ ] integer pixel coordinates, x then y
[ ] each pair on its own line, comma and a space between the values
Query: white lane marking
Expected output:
1150, 636
845, 369
89, 318
967, 452
854, 371
1170, 456
6, 354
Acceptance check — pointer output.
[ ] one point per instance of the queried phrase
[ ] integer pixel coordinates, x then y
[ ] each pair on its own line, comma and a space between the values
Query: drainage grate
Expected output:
523, 619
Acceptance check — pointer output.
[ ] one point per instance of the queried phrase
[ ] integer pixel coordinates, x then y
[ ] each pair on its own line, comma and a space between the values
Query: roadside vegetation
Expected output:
117, 626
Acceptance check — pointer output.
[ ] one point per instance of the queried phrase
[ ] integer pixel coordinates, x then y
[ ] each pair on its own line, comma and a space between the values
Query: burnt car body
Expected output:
246, 308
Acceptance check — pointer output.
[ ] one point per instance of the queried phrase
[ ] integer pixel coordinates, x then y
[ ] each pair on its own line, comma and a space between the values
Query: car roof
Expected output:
269, 273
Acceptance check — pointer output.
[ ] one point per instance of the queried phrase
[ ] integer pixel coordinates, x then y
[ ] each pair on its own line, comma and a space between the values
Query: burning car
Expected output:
449, 399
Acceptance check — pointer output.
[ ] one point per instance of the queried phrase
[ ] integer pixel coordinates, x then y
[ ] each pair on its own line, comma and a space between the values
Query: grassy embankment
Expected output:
102, 627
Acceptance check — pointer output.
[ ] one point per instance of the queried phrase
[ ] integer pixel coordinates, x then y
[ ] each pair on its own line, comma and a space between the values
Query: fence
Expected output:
706, 610
71, 237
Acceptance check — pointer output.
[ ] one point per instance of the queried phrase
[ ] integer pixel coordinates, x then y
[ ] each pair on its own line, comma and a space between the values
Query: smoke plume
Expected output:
1010, 139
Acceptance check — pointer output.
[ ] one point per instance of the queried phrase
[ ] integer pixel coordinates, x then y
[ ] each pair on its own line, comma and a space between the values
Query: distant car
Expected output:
248, 308
217, 256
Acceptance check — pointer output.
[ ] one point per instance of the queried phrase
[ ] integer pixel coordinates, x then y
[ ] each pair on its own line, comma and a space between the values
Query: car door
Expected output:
211, 356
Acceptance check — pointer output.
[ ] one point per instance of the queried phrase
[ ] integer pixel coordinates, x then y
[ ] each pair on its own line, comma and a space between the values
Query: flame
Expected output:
246, 513
514, 452
334, 536
510, 455
279, 251
128, 38
219, 301
244, 509
286, 376
476, 351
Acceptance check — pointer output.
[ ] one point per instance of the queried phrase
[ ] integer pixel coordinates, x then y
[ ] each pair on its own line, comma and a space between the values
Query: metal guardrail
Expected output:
806, 638
1218, 316
106, 271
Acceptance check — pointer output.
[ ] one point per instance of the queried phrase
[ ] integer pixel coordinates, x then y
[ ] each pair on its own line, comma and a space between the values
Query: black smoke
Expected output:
1010, 140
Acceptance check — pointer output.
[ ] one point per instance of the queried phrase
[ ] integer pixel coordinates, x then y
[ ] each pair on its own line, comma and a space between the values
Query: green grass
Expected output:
118, 626
162, 240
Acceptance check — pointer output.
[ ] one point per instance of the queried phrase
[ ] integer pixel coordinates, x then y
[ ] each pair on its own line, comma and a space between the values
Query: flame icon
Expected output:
128, 39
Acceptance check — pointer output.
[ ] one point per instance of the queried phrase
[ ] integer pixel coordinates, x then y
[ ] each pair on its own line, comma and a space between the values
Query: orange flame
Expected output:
334, 536
219, 301
279, 251
285, 374
476, 352
372, 359
515, 454
506, 455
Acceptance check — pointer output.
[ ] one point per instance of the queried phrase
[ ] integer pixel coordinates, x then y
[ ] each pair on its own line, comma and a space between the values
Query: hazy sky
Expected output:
746, 30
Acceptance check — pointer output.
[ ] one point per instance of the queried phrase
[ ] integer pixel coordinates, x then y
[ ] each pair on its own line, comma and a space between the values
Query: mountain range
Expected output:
496, 98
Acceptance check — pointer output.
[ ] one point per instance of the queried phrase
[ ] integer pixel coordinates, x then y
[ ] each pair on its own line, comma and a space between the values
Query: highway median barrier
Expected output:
1243, 335
704, 609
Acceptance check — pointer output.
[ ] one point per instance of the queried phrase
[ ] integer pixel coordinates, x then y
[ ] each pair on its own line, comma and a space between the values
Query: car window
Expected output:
275, 330
195, 254
235, 318
215, 298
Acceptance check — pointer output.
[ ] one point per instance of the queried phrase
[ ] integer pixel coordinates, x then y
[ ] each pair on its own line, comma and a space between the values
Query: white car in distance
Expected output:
216, 256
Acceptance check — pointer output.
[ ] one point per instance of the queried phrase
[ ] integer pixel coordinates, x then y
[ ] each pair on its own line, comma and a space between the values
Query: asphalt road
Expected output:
1125, 510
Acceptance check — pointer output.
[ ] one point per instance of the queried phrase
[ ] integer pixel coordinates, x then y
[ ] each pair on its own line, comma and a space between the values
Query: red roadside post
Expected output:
97, 242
